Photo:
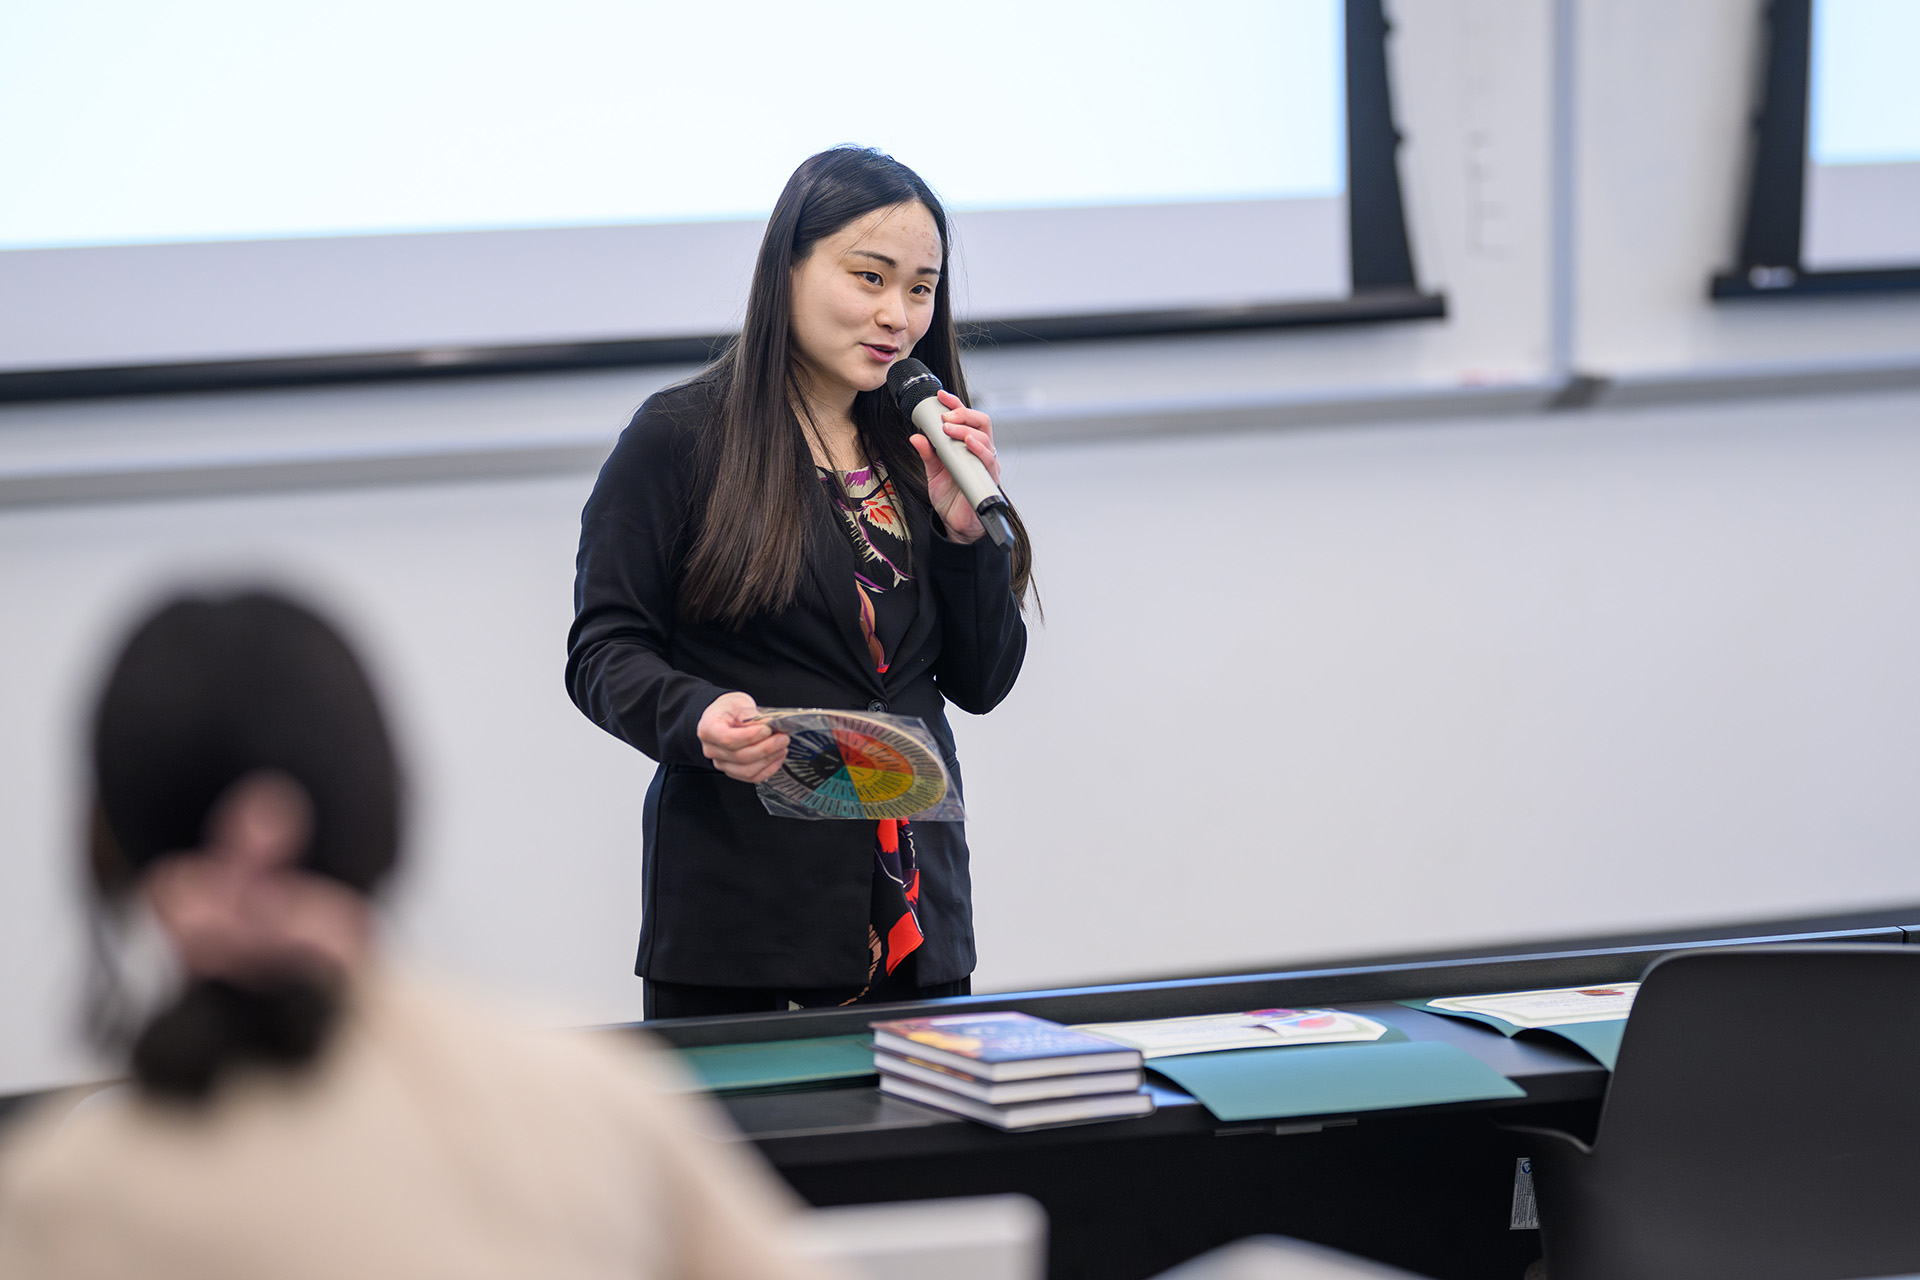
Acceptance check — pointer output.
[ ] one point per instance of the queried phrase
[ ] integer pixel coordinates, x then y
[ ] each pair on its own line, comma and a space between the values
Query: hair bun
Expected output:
215, 1026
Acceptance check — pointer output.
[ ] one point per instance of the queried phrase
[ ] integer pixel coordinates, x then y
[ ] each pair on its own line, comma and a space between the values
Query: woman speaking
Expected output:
772, 533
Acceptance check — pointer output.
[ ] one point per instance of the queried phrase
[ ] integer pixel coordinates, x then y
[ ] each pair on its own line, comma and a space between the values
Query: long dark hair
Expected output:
753, 521
206, 691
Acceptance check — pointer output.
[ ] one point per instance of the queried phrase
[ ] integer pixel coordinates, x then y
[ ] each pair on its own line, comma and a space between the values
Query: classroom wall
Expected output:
1302, 691
1664, 95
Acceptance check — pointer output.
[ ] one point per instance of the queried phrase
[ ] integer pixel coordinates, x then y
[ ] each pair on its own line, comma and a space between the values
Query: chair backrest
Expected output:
1763, 1122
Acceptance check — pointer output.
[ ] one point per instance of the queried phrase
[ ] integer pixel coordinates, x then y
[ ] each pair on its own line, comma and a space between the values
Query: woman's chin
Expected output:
872, 377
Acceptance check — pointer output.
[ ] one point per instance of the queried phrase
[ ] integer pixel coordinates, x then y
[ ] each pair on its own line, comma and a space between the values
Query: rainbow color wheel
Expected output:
842, 764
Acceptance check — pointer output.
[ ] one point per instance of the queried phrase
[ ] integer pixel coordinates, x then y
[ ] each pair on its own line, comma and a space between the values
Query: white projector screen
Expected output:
225, 179
1863, 137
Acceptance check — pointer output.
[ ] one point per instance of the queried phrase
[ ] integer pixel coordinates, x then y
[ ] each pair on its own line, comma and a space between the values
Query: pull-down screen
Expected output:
226, 179
1863, 137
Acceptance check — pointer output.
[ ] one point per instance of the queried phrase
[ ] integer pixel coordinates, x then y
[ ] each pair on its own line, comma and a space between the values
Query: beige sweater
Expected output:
432, 1139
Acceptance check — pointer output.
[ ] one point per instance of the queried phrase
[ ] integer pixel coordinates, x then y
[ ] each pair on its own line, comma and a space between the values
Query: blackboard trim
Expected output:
101, 382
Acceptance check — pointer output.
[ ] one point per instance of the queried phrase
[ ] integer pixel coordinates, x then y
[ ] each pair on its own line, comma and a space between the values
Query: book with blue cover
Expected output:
1003, 1046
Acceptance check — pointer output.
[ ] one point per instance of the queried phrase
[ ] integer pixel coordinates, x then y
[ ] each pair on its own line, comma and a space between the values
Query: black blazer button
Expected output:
876, 705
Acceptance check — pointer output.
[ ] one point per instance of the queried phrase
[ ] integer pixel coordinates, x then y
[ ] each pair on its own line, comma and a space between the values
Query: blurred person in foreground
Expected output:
298, 1108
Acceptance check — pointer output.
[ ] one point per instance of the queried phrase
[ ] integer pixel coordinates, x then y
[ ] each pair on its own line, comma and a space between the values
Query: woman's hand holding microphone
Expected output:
743, 748
973, 429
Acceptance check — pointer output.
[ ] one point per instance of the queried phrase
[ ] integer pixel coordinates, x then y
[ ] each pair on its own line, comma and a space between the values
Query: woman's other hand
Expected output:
975, 430
740, 748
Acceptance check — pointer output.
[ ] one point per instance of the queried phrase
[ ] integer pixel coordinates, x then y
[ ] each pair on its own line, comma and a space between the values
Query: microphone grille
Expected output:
911, 382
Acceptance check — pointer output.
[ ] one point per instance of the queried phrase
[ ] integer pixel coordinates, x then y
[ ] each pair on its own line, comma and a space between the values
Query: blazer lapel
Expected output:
920, 527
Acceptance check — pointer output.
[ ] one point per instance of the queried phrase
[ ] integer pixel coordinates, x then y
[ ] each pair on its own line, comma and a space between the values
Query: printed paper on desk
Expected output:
1555, 1007
1260, 1029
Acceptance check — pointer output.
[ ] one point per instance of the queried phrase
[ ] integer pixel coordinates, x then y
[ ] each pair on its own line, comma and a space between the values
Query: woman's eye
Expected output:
924, 291
871, 277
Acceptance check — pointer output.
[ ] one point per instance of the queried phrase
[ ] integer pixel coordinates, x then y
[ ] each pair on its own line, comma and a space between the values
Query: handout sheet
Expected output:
1259, 1029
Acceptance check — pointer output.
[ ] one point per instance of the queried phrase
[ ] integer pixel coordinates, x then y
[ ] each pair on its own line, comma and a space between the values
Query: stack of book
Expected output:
1008, 1070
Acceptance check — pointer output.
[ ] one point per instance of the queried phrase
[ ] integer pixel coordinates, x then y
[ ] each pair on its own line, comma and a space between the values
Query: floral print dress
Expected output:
873, 517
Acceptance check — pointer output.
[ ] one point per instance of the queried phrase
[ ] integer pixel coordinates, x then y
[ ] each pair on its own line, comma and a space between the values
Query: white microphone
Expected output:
915, 387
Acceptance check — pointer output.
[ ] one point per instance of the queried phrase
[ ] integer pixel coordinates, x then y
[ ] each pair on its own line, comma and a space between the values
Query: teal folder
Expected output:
1600, 1040
1315, 1080
767, 1066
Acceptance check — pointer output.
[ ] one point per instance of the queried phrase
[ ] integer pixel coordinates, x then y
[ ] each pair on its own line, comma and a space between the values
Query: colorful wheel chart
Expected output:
841, 764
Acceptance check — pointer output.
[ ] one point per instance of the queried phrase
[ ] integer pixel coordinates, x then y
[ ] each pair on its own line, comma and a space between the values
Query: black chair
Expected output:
1763, 1123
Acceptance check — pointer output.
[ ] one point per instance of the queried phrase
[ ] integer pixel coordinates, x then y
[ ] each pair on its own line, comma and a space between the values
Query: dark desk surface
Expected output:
1426, 1189
857, 1122
853, 1123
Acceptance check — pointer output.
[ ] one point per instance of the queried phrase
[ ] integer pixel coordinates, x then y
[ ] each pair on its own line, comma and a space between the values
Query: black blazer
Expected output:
734, 896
